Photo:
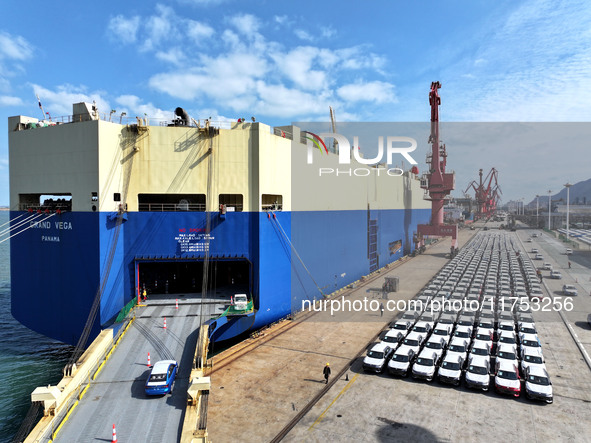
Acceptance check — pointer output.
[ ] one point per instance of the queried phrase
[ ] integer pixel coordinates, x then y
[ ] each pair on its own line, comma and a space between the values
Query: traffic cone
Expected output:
165, 323
114, 435
149, 364
177, 303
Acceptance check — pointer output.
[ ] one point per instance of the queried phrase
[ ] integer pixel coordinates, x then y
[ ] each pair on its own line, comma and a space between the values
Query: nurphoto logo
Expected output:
394, 145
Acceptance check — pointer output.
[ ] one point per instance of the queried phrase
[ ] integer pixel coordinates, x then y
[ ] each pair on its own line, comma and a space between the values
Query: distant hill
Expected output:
580, 191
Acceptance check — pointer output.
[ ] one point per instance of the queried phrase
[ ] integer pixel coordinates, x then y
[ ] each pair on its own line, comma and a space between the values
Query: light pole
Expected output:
537, 210
568, 185
549, 209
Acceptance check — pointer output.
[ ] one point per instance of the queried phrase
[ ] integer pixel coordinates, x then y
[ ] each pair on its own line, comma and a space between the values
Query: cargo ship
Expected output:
103, 209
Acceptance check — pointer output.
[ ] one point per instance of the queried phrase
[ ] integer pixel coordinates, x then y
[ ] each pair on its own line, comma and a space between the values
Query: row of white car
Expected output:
418, 348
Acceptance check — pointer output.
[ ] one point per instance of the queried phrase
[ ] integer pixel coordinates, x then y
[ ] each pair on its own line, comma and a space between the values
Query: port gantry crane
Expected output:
486, 197
437, 183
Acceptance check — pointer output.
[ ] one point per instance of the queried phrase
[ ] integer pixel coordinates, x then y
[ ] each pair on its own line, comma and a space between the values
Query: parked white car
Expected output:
538, 385
377, 357
401, 361
425, 365
531, 358
451, 369
477, 374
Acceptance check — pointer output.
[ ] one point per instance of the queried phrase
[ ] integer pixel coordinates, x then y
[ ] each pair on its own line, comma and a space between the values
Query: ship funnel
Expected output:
184, 115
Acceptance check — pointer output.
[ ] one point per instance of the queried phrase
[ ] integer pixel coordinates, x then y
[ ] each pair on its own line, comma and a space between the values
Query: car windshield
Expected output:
538, 380
480, 370
425, 361
479, 351
457, 348
400, 326
434, 345
506, 327
508, 375
483, 337
531, 343
535, 359
462, 334
453, 366
440, 332
420, 329
465, 322
390, 339
158, 377
507, 355
527, 330
375, 354
486, 325
401, 358
411, 342
508, 340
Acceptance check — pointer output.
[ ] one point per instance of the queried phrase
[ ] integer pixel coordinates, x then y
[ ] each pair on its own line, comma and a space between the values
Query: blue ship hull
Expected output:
57, 268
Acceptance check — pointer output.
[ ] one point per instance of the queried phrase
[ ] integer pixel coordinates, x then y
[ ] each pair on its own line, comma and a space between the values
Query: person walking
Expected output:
569, 265
326, 372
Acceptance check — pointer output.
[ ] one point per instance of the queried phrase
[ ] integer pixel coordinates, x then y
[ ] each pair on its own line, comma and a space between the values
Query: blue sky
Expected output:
285, 61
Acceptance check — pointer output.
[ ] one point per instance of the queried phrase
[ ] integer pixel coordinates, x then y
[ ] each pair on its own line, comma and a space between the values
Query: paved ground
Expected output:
117, 396
379, 408
255, 396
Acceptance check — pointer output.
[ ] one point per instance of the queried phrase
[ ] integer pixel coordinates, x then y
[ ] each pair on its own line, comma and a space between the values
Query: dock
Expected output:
270, 387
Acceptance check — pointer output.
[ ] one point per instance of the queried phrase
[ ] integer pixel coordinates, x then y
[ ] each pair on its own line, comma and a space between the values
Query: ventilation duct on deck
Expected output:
184, 116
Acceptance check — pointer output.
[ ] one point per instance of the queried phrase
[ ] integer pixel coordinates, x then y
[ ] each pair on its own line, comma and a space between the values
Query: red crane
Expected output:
437, 183
486, 197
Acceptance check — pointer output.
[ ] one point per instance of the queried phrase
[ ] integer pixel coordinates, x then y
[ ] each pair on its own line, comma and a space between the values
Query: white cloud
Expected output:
376, 91
229, 79
328, 32
280, 19
297, 66
14, 47
535, 66
6, 100
173, 56
202, 2
303, 35
246, 24
124, 29
133, 106
3, 163
198, 31
281, 101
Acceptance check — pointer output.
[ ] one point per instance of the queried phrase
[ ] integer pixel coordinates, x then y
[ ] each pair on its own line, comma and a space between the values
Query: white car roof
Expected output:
539, 371
427, 353
161, 367
414, 336
504, 347
380, 347
503, 365
478, 360
529, 337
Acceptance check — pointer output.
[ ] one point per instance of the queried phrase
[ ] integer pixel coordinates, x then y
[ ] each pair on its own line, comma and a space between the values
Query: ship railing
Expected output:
51, 207
172, 207
283, 133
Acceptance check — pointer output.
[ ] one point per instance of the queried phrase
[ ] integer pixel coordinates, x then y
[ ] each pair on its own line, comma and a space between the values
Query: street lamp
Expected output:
568, 185
537, 210
549, 209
